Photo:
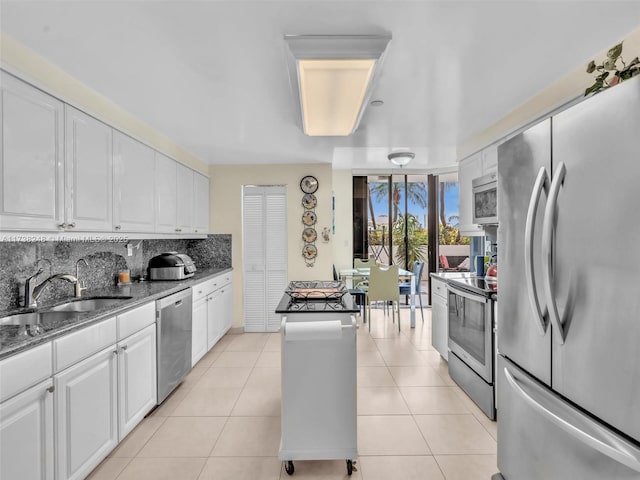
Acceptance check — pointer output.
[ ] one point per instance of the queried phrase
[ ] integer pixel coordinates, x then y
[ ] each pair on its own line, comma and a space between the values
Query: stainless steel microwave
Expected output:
485, 199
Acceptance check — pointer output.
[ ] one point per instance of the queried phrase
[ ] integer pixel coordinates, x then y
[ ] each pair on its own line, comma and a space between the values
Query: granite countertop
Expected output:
444, 276
15, 338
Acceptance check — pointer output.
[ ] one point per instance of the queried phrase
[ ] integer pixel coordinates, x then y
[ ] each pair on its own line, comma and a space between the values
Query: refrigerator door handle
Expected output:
574, 422
541, 184
547, 241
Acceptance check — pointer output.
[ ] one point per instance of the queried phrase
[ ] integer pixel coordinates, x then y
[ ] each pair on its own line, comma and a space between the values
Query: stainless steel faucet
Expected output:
80, 286
31, 293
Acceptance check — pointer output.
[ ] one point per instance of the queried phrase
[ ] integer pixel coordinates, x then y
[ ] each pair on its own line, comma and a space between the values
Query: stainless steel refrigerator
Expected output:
568, 393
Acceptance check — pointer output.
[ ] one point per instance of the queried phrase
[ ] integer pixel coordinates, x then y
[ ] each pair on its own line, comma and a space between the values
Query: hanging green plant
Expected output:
612, 71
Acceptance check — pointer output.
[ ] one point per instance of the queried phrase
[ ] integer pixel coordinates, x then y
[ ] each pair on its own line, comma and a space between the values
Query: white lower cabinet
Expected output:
100, 397
26, 435
137, 392
227, 308
214, 311
86, 414
439, 318
199, 340
212, 314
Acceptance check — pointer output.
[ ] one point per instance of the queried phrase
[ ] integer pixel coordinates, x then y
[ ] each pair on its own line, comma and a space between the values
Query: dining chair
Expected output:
359, 295
383, 286
405, 287
362, 283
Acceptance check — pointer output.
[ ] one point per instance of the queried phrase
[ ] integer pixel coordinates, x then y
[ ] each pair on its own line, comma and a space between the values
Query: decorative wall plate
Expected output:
309, 201
309, 235
309, 184
309, 251
309, 218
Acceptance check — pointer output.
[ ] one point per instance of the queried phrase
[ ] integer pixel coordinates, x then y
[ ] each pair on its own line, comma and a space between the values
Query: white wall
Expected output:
226, 217
343, 238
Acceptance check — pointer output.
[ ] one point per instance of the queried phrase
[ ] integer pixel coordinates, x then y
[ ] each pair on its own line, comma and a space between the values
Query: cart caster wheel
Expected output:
349, 467
288, 467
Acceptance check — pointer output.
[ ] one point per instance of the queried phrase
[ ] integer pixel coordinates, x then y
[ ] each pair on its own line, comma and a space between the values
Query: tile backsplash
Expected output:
105, 259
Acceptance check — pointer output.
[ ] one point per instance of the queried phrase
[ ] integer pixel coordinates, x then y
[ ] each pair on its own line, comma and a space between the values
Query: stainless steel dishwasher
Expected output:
173, 320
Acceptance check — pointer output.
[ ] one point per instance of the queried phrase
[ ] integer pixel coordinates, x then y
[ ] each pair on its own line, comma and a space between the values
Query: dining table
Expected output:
348, 275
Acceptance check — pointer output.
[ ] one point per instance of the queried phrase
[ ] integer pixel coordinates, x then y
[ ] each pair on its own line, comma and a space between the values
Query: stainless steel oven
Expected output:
471, 343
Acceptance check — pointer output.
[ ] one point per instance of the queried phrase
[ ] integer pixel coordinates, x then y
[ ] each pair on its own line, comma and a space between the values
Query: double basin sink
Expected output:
62, 311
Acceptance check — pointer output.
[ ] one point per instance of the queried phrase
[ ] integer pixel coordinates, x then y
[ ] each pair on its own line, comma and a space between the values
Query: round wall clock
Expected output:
309, 184
309, 235
309, 218
309, 201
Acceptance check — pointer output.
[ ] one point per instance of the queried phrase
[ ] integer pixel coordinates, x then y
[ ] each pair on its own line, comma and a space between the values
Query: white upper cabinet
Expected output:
200, 203
490, 160
166, 169
31, 179
63, 170
88, 176
184, 199
134, 192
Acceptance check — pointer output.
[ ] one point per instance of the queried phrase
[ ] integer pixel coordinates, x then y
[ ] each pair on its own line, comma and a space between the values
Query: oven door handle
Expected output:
471, 296
541, 184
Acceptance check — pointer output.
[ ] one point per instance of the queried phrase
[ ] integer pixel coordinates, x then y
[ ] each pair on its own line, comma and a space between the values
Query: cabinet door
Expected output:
213, 318
165, 194
88, 173
200, 203
31, 139
227, 308
26, 434
136, 378
86, 414
184, 199
440, 326
490, 160
134, 185
468, 169
199, 339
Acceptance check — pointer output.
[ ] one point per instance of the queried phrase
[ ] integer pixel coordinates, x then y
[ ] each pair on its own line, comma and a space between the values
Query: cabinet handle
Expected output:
51, 388
72, 225
124, 347
62, 225
117, 227
199, 292
178, 230
115, 352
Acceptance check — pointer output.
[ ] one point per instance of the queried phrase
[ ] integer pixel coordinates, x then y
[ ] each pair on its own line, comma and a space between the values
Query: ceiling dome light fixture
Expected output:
401, 158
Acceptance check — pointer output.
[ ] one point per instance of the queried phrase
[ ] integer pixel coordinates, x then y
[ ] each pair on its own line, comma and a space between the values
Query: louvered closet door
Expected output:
265, 255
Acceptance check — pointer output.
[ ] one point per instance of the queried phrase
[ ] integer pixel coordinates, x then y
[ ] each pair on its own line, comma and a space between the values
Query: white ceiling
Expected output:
212, 75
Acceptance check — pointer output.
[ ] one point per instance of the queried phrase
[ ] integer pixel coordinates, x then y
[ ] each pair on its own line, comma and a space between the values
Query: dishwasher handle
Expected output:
176, 299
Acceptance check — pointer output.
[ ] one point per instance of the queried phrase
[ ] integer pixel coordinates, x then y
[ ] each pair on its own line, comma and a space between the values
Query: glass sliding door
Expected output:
397, 219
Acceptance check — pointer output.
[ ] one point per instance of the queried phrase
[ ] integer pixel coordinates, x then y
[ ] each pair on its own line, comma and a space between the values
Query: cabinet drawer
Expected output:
135, 320
19, 372
222, 280
201, 290
439, 288
78, 345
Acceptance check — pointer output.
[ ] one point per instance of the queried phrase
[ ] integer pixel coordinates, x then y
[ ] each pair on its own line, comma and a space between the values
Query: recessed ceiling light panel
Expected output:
334, 76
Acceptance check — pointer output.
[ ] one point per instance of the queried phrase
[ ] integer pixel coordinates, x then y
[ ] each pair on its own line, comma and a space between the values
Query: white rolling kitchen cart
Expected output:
318, 387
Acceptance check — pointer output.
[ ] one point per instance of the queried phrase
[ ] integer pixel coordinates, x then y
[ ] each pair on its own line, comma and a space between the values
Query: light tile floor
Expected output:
223, 422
